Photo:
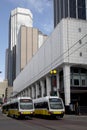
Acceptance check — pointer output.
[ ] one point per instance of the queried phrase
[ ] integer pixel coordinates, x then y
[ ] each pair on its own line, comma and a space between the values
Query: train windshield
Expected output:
26, 104
55, 103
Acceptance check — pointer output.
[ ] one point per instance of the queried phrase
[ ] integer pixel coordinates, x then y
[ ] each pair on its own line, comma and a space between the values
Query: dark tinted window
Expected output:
81, 9
66, 8
81, 3
55, 103
25, 100
83, 82
56, 12
72, 8
61, 4
83, 70
76, 82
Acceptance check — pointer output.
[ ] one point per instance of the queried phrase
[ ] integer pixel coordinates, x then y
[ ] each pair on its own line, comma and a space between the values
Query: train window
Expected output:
26, 105
35, 105
16, 105
41, 105
55, 103
25, 100
54, 99
46, 105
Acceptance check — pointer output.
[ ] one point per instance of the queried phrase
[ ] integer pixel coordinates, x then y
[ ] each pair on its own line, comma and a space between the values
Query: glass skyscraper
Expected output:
69, 8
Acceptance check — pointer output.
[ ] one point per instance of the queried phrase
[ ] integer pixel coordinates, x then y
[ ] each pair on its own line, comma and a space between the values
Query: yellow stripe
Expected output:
46, 112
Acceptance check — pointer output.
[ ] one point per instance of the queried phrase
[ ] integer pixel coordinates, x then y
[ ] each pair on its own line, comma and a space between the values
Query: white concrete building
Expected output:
66, 51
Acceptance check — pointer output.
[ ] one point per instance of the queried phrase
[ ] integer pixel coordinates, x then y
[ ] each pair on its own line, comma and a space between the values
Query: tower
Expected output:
18, 17
69, 9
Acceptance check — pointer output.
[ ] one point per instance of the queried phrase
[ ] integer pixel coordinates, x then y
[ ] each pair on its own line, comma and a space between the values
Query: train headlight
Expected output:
50, 112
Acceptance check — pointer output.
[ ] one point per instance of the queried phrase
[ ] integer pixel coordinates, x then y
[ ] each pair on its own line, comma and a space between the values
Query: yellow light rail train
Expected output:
20, 107
51, 106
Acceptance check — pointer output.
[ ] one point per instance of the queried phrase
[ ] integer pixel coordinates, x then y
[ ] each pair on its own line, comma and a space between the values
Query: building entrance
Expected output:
78, 100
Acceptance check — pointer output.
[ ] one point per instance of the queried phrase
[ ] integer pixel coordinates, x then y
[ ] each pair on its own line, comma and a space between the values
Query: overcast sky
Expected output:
42, 11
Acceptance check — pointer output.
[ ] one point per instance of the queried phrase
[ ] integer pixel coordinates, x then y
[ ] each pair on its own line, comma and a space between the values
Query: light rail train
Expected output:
51, 106
20, 107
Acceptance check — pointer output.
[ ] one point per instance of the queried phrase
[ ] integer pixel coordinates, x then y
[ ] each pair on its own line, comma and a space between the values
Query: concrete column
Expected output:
37, 92
23, 93
66, 70
29, 91
48, 85
32, 91
28, 94
42, 87
57, 77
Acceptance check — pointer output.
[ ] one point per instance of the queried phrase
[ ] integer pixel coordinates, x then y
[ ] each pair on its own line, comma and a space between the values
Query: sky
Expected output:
42, 11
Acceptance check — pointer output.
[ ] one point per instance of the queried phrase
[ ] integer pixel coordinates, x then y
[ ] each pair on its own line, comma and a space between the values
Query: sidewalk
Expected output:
76, 117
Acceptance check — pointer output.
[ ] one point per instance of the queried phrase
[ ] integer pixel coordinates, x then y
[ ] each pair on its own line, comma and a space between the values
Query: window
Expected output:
41, 105
80, 54
83, 82
55, 103
76, 70
66, 8
79, 29
78, 77
81, 9
72, 8
76, 82
80, 41
83, 71
61, 4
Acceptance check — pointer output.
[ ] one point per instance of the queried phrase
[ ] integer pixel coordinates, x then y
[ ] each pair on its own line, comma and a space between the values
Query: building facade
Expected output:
3, 86
18, 17
64, 51
29, 41
6, 64
69, 8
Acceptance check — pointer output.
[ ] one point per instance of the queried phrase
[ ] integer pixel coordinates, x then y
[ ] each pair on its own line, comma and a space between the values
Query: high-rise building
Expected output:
24, 41
6, 64
29, 41
69, 8
18, 17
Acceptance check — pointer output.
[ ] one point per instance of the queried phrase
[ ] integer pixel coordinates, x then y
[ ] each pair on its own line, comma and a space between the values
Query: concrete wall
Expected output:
55, 52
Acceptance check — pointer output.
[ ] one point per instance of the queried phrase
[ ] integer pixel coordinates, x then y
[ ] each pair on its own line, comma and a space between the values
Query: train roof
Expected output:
13, 100
18, 98
44, 98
